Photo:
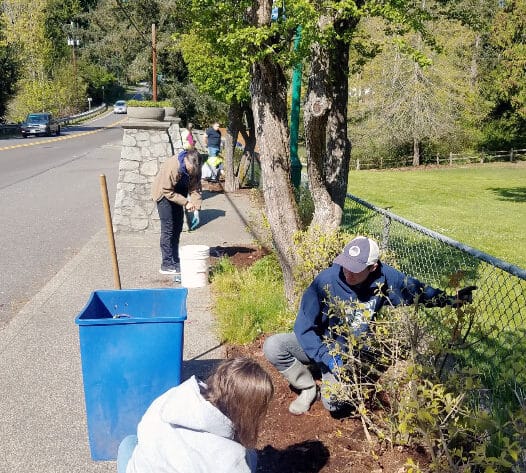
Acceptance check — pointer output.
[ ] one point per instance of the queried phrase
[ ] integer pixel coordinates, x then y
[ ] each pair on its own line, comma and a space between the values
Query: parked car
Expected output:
120, 107
40, 124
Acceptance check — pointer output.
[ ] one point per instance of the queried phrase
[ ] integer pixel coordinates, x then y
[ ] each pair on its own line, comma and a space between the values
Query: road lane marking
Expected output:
61, 138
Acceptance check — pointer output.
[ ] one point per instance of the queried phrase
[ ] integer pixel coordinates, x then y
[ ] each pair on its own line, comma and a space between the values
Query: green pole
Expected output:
295, 164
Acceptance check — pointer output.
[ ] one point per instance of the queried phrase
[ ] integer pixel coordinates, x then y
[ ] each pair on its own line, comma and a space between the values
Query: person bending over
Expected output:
176, 188
200, 426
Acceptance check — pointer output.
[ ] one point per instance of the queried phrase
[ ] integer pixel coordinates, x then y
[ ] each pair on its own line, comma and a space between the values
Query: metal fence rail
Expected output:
15, 128
494, 340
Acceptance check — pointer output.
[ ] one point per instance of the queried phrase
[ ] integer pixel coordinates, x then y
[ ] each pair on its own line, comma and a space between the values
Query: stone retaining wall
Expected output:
145, 146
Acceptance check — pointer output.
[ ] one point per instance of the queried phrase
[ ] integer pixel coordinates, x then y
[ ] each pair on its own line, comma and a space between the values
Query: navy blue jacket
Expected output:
213, 138
385, 285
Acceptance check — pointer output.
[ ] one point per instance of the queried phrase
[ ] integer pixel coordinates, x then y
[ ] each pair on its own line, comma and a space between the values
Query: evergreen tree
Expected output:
9, 66
505, 83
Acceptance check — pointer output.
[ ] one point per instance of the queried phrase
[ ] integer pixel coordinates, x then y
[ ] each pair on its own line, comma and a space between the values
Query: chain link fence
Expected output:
492, 333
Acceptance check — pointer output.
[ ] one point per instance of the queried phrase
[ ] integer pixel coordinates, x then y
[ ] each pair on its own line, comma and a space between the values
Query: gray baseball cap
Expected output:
358, 254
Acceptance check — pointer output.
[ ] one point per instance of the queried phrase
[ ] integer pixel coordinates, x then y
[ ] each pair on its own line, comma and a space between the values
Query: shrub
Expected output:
390, 381
149, 103
316, 249
305, 204
249, 302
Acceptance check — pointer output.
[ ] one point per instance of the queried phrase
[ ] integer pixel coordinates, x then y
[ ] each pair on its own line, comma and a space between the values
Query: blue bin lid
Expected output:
131, 306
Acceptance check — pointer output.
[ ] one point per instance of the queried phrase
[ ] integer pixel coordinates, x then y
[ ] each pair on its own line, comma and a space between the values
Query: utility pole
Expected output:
154, 64
73, 41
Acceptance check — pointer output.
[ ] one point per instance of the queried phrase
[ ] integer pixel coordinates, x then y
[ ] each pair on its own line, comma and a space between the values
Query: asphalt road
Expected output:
51, 203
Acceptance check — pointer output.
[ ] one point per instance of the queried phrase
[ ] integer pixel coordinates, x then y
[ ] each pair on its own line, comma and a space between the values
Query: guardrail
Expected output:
13, 129
83, 115
9, 129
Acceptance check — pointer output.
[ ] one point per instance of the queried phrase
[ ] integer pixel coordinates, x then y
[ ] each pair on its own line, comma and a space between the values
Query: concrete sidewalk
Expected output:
42, 417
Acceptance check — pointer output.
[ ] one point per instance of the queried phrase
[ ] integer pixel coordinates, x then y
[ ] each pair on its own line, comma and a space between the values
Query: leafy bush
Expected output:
249, 302
60, 96
305, 204
149, 103
390, 380
316, 249
194, 106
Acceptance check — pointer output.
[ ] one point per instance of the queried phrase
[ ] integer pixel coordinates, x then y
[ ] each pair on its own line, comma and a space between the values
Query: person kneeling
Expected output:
366, 284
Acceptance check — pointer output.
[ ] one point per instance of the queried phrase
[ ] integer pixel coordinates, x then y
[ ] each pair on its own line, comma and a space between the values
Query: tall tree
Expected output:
505, 85
118, 37
269, 105
59, 14
327, 28
416, 95
325, 117
9, 67
25, 27
218, 72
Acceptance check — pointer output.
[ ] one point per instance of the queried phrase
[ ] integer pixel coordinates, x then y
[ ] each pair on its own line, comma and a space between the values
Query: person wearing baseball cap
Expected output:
360, 279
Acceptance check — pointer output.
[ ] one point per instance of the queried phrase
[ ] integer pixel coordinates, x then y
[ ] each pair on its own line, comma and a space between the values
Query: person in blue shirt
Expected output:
365, 284
213, 139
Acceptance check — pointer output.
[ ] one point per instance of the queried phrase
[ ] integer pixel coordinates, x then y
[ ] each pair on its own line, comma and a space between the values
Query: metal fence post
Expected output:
385, 232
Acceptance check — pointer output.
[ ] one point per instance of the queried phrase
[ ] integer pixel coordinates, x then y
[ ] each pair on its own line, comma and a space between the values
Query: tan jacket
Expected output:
166, 180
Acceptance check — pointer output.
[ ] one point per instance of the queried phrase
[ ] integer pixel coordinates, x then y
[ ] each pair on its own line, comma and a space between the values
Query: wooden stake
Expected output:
109, 228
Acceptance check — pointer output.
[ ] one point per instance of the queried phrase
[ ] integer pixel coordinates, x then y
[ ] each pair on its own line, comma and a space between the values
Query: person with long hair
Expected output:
200, 426
176, 188
188, 137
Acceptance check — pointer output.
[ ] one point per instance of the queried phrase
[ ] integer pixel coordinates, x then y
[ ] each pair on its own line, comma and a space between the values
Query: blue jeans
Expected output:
212, 151
171, 216
125, 451
283, 349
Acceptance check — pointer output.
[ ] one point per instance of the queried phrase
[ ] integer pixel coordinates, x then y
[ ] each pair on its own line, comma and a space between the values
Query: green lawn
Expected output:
483, 206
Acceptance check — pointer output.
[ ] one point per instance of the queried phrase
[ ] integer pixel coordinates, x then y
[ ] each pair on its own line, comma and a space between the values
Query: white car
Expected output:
120, 107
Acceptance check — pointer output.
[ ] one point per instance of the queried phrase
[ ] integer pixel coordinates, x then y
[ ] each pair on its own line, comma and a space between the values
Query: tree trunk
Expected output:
325, 119
416, 152
248, 131
248, 159
234, 125
269, 105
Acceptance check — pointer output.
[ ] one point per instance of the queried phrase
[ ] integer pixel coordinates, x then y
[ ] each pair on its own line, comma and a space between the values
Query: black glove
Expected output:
464, 296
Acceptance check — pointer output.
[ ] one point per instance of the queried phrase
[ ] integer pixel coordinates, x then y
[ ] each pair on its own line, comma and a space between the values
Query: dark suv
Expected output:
39, 124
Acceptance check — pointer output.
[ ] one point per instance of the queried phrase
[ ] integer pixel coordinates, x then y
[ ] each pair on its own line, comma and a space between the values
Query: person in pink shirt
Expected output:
188, 137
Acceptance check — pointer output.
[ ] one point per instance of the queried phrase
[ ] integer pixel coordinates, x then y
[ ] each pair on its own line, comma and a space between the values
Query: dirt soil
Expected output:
315, 441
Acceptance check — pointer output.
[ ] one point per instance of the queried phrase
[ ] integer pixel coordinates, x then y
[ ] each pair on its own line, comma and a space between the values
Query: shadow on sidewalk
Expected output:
200, 368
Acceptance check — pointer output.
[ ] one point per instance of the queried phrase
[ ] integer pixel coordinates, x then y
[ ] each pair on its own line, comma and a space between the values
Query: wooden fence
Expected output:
453, 158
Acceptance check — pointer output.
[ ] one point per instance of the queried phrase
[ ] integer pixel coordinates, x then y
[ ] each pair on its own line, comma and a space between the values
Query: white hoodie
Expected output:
181, 432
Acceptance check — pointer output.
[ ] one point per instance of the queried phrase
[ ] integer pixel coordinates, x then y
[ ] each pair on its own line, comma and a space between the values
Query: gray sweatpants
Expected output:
283, 349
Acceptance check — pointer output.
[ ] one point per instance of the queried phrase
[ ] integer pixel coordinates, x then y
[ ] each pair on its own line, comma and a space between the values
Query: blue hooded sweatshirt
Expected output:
385, 285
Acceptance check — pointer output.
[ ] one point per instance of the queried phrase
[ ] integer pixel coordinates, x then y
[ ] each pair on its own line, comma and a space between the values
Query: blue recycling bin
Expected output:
131, 348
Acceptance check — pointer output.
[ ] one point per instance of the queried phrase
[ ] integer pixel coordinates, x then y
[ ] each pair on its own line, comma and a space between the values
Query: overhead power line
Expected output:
132, 21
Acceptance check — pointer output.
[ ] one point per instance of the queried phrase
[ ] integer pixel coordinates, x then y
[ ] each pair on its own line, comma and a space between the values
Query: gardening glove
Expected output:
195, 220
464, 296
335, 363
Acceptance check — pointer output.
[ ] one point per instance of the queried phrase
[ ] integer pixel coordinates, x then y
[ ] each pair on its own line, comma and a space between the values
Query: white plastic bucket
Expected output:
194, 265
